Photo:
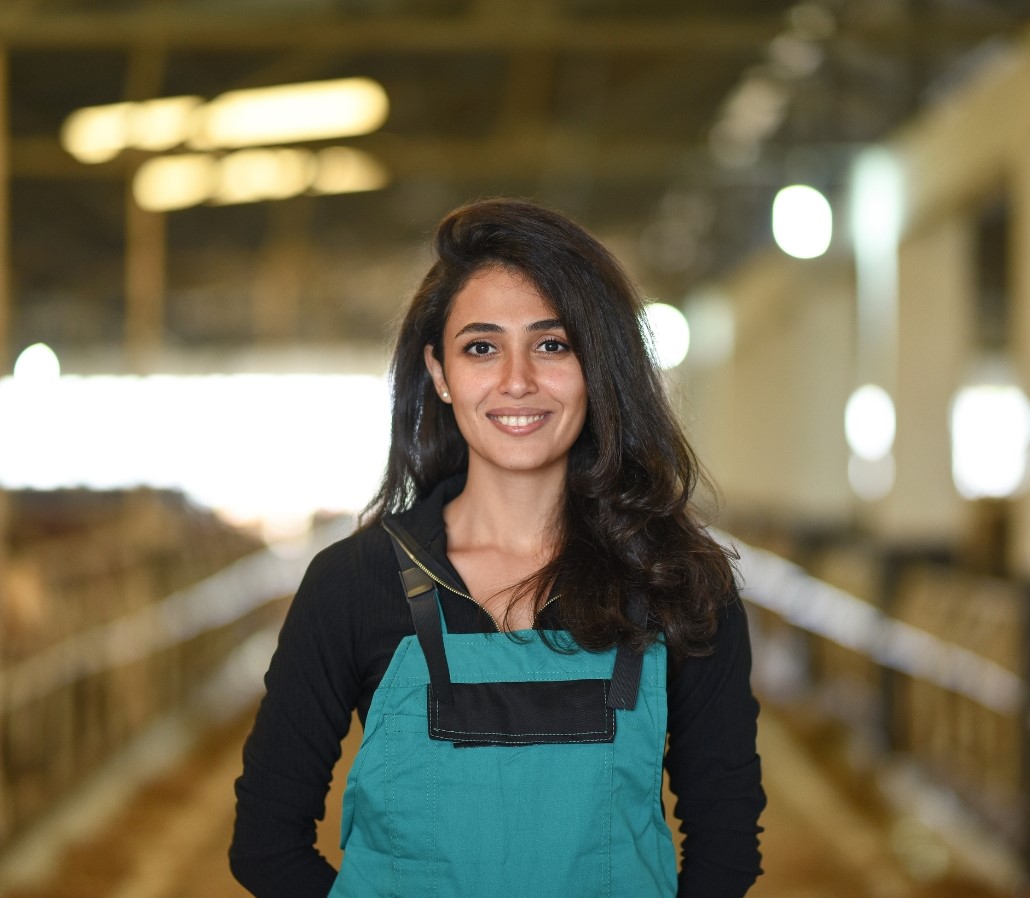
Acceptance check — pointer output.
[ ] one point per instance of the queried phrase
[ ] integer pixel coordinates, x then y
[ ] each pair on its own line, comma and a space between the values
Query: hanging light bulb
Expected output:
802, 221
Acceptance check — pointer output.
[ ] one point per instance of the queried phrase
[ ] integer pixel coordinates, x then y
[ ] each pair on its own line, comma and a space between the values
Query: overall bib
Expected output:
500, 767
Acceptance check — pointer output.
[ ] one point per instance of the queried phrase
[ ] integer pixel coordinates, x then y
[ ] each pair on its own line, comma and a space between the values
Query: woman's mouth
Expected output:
516, 420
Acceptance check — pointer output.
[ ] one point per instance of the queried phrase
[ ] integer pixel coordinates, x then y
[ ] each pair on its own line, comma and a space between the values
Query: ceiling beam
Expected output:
518, 155
483, 30
478, 32
507, 156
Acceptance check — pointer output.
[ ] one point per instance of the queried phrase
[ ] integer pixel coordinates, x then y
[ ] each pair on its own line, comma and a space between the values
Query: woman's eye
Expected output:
553, 346
479, 347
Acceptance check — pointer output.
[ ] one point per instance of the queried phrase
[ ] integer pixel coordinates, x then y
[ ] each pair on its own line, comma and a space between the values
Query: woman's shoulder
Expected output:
728, 647
731, 628
345, 574
362, 555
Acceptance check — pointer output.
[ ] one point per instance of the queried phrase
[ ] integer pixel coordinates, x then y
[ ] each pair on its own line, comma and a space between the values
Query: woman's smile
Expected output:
517, 421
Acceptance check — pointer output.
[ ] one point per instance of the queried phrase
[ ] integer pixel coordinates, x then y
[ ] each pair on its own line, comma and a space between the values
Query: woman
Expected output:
537, 484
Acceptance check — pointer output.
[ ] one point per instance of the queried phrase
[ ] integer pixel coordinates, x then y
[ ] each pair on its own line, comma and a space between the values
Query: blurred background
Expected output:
211, 214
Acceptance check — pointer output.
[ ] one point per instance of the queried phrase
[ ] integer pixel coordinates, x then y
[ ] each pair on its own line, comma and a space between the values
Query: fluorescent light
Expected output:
346, 170
160, 124
247, 176
99, 133
317, 110
96, 133
175, 182
252, 175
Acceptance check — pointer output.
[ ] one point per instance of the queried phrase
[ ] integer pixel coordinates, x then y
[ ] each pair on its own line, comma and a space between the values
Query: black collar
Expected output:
424, 521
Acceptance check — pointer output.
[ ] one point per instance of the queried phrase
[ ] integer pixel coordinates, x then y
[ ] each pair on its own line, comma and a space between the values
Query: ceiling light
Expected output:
346, 170
174, 182
99, 133
869, 422
37, 364
990, 438
802, 221
317, 110
96, 133
252, 175
160, 124
669, 335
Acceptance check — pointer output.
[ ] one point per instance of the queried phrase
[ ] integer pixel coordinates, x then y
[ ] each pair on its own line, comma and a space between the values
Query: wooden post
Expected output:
5, 319
1018, 551
5, 223
277, 288
144, 282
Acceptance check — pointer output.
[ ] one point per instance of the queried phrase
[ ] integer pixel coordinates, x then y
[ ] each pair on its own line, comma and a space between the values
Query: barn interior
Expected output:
195, 328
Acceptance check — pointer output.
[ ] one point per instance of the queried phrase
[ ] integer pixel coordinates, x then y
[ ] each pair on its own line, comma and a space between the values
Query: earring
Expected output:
445, 395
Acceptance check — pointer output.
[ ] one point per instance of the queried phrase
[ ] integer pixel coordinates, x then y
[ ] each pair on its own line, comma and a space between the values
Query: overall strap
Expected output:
420, 591
421, 594
628, 663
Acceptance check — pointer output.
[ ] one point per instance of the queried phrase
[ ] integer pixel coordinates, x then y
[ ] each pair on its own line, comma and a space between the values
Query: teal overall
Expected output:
501, 767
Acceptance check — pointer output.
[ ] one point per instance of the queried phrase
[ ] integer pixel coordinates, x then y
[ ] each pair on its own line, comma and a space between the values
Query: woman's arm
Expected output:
312, 687
713, 767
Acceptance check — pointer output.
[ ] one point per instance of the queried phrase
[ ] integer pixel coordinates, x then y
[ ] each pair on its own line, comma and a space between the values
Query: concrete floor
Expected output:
169, 838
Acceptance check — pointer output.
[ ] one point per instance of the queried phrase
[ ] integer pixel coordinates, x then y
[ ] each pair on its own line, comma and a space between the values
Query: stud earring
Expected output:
445, 395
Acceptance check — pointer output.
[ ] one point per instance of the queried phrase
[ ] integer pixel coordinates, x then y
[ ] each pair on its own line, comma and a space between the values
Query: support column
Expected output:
5, 337
144, 231
876, 199
1019, 278
5, 218
277, 288
144, 283
5, 298
1019, 352
776, 438
936, 287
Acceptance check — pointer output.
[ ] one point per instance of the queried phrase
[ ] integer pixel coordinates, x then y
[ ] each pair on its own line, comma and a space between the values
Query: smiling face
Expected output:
516, 387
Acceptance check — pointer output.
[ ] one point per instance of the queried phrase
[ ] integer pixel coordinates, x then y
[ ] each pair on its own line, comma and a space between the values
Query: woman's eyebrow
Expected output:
480, 327
483, 327
548, 324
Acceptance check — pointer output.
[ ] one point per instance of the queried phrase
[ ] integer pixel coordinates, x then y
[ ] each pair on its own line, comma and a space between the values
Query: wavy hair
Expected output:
627, 525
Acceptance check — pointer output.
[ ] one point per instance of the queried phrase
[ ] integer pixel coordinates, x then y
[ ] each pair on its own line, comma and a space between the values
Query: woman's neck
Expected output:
510, 511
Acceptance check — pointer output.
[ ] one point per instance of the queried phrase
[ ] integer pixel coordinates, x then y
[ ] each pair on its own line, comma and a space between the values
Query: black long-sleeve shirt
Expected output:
340, 633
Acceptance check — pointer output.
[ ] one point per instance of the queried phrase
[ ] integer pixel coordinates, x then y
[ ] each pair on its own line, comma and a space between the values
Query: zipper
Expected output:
448, 586
553, 598
465, 595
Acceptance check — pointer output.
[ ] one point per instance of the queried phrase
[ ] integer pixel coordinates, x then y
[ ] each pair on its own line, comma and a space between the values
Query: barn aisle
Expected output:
169, 839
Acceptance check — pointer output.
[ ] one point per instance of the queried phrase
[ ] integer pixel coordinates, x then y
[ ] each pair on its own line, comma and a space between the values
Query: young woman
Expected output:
562, 623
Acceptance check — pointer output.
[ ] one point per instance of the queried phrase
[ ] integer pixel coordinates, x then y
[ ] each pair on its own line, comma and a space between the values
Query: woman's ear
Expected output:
436, 372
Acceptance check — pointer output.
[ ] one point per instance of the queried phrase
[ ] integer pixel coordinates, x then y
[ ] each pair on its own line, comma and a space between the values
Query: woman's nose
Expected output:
518, 375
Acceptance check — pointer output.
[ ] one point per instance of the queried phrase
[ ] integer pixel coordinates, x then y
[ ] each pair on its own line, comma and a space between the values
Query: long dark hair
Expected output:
627, 525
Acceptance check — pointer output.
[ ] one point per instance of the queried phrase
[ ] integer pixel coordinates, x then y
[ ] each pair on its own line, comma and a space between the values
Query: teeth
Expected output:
518, 420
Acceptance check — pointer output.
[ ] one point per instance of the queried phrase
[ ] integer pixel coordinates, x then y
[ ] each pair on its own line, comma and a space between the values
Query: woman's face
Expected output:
516, 387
